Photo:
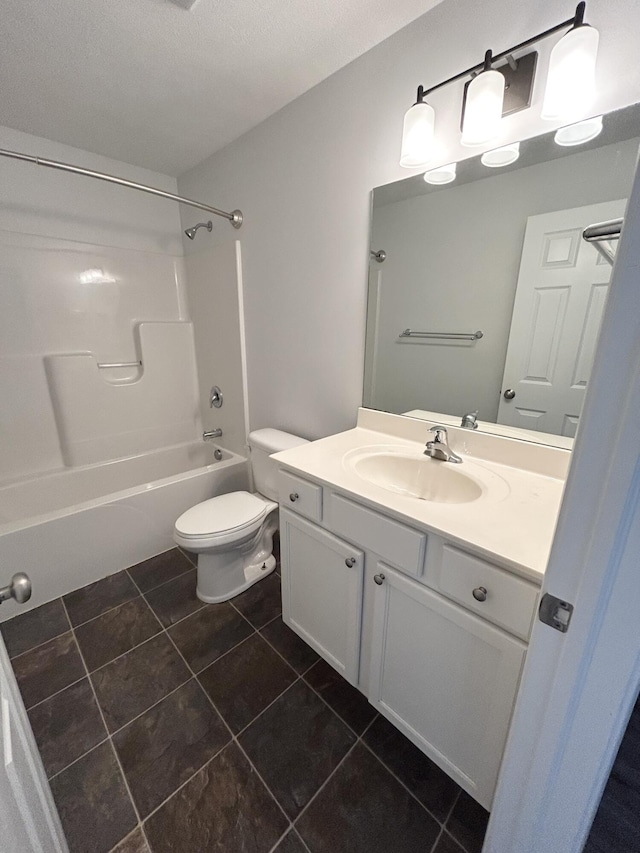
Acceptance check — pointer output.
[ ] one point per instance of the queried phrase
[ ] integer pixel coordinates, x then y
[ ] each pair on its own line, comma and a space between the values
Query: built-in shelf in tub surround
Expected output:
109, 412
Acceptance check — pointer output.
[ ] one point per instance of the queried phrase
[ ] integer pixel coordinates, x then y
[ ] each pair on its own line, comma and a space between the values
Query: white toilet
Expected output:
232, 534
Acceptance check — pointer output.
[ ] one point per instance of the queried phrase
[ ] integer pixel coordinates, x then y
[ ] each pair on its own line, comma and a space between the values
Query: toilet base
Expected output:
252, 574
224, 574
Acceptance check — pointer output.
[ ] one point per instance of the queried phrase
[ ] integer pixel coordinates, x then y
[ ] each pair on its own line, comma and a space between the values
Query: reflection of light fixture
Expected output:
570, 88
418, 134
580, 132
95, 276
483, 106
502, 156
441, 175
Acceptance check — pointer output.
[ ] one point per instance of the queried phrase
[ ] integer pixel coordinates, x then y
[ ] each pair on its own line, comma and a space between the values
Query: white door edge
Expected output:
578, 689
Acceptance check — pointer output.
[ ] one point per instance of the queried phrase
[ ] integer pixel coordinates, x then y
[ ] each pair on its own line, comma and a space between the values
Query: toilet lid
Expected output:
219, 515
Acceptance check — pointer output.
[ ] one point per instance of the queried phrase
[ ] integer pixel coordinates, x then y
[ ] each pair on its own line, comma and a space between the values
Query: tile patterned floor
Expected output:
168, 725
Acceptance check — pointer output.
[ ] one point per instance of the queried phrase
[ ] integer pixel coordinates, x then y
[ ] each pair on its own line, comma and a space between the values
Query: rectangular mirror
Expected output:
483, 295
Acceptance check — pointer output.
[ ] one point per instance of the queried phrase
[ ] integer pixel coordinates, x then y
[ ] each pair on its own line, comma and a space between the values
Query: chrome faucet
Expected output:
438, 447
212, 433
470, 420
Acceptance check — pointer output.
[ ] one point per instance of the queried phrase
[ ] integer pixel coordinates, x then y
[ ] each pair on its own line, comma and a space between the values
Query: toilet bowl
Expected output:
232, 534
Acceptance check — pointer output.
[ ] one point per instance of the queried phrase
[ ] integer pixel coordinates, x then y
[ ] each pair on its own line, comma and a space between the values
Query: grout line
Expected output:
57, 693
327, 780
266, 708
44, 643
79, 758
163, 583
437, 841
104, 722
440, 823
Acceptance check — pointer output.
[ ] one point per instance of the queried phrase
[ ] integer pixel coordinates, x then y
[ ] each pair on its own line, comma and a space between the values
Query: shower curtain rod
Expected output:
235, 217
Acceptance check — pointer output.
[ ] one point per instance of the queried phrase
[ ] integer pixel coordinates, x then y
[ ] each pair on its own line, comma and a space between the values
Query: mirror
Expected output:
485, 296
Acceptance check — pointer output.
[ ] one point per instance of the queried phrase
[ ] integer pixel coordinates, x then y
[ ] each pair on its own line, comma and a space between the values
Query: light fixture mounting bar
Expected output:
576, 21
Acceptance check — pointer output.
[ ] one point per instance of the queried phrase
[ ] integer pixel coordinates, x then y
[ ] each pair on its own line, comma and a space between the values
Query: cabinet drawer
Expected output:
397, 544
300, 495
510, 601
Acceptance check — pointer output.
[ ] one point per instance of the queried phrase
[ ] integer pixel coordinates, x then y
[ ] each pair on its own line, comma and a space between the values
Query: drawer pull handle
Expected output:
379, 579
294, 496
350, 562
480, 593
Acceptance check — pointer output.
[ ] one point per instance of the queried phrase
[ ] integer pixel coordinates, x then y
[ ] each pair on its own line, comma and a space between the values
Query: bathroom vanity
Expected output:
418, 580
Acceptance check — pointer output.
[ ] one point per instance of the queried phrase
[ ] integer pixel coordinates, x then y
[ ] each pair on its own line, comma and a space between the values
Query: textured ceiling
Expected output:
150, 83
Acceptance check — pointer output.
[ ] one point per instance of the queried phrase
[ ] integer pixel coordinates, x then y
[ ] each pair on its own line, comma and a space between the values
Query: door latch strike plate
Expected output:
555, 612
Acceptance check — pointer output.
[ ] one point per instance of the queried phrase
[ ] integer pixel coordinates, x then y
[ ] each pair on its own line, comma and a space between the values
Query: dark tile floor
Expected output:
168, 725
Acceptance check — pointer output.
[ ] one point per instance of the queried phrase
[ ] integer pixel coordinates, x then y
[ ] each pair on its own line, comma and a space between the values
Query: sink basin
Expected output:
417, 476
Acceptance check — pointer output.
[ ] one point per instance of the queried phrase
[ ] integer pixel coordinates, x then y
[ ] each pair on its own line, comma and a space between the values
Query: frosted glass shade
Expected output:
579, 133
501, 156
441, 175
571, 79
483, 108
417, 136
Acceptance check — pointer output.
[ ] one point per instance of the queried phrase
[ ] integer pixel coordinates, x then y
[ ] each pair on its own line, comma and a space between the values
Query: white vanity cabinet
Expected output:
433, 635
322, 580
445, 677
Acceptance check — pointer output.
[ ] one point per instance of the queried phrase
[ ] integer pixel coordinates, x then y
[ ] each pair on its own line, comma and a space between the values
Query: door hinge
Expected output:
555, 612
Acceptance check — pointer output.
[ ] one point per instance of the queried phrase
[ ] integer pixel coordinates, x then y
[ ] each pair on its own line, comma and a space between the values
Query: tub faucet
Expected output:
212, 433
438, 447
470, 420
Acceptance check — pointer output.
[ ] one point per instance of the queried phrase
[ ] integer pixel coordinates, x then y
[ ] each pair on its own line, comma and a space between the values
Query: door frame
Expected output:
579, 688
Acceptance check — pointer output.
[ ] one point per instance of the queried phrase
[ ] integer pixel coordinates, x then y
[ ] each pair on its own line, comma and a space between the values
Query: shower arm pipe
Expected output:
235, 217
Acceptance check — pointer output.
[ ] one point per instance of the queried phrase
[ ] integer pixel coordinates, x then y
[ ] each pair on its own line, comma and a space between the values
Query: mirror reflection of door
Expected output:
560, 297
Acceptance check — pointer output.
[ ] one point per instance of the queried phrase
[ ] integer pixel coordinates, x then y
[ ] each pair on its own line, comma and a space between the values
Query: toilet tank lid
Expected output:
274, 440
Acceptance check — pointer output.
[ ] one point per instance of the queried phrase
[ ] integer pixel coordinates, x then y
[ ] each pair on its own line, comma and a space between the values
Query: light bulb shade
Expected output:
483, 108
580, 132
502, 156
441, 175
417, 136
571, 79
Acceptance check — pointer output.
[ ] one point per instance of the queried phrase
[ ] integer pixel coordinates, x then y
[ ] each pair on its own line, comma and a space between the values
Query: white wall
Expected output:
213, 290
303, 180
451, 267
54, 227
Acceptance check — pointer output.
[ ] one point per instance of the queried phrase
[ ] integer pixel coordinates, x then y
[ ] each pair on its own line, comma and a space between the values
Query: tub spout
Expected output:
212, 433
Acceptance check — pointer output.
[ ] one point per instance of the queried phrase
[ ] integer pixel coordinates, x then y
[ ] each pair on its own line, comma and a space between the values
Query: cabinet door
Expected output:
322, 591
446, 678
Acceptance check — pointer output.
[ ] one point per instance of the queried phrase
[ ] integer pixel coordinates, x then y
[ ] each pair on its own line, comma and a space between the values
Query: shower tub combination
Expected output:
72, 527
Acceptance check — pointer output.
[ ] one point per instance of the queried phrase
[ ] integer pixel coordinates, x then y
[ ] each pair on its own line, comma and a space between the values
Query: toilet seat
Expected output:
223, 518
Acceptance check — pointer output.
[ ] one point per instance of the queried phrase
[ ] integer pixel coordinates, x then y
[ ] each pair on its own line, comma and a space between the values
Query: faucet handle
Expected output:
440, 432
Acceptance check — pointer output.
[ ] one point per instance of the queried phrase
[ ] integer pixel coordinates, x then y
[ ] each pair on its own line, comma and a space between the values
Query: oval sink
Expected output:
418, 476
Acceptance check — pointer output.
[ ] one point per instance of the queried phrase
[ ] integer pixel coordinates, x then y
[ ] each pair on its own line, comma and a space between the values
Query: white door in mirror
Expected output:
560, 297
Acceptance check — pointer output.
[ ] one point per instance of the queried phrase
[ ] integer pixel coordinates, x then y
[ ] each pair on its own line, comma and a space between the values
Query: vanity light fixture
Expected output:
571, 82
503, 156
483, 105
579, 132
418, 134
441, 175
502, 84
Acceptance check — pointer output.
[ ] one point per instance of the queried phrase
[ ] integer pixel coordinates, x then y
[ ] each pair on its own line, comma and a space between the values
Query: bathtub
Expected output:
72, 527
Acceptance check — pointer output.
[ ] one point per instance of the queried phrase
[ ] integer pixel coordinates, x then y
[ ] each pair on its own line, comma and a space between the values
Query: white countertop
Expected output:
512, 522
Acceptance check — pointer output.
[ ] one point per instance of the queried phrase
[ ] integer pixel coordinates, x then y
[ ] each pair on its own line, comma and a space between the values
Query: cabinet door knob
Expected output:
294, 496
480, 593
379, 579
350, 562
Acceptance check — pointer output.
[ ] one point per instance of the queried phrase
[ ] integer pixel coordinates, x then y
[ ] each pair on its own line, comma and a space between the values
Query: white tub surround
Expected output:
513, 519
418, 578
73, 527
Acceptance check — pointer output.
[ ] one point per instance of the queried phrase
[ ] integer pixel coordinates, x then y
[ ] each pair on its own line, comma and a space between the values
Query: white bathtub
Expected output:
72, 527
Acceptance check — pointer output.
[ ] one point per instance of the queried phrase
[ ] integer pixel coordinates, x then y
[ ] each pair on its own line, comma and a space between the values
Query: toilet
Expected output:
232, 534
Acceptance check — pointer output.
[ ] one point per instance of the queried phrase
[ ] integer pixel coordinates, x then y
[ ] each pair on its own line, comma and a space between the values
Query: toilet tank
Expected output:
262, 443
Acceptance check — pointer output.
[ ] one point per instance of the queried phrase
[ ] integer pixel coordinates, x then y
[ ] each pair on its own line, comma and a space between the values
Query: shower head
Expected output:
191, 232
